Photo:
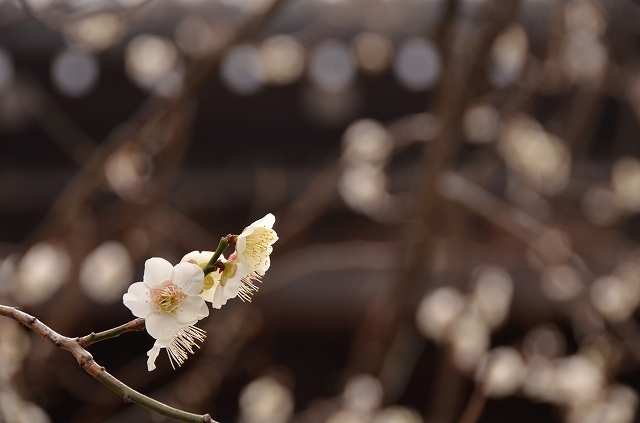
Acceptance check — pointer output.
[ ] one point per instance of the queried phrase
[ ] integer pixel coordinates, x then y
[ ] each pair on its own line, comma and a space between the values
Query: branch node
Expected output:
207, 419
32, 319
126, 399
93, 368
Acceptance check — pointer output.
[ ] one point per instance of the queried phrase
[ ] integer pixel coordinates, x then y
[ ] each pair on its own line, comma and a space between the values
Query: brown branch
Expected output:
86, 361
520, 224
150, 120
474, 407
92, 338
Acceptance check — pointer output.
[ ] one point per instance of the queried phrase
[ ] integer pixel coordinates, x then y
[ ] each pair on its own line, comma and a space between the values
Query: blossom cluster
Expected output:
172, 299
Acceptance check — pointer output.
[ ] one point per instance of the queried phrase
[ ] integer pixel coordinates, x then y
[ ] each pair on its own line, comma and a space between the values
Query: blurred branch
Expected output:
199, 75
86, 362
26, 7
179, 228
522, 225
462, 80
629, 333
311, 203
57, 124
475, 405
515, 221
92, 338
152, 127
333, 257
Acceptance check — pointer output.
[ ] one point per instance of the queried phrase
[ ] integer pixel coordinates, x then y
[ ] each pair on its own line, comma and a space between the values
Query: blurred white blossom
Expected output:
105, 272
15, 344
42, 270
501, 372
397, 414
625, 181
283, 59
265, 400
508, 56
578, 380
542, 159
362, 393
613, 298
492, 294
561, 282
469, 338
438, 310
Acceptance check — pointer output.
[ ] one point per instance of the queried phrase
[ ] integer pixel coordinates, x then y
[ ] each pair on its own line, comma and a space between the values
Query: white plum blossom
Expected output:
201, 258
217, 288
254, 244
237, 275
251, 260
220, 286
168, 300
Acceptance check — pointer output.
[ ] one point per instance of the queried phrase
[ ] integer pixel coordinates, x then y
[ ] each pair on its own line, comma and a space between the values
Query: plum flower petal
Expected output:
208, 294
153, 354
212, 280
226, 292
229, 290
163, 326
238, 283
137, 300
189, 277
156, 271
191, 310
233, 281
201, 258
255, 244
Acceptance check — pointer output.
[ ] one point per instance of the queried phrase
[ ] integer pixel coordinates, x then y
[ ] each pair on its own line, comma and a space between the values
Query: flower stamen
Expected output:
248, 287
258, 247
182, 344
168, 297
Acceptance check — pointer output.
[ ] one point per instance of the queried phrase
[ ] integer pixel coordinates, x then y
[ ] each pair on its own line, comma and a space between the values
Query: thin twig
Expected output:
211, 265
152, 115
57, 124
474, 408
522, 225
86, 361
92, 338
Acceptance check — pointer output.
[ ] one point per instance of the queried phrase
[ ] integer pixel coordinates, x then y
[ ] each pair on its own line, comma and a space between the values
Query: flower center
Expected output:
167, 297
259, 246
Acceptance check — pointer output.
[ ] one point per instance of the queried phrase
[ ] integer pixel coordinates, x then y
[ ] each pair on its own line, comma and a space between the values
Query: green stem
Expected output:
211, 266
131, 395
134, 325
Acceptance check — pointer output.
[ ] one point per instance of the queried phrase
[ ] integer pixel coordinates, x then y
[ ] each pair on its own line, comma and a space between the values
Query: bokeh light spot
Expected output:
242, 71
74, 73
417, 65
